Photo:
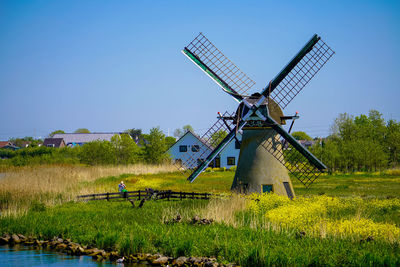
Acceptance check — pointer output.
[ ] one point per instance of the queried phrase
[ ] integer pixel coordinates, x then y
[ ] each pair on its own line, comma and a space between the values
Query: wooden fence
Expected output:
168, 194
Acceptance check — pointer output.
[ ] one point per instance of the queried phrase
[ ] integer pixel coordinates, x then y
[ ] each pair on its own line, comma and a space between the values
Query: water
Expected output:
27, 256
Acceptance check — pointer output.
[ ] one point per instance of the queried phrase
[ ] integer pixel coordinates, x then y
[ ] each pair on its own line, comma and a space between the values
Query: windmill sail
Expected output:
300, 70
211, 60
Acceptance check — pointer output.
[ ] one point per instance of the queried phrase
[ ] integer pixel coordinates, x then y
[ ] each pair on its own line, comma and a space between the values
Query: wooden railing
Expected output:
140, 194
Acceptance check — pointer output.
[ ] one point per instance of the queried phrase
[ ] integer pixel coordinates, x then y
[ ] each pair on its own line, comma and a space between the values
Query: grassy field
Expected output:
342, 219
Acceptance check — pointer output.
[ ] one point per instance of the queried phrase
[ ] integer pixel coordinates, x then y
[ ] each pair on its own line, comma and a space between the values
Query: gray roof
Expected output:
84, 137
53, 141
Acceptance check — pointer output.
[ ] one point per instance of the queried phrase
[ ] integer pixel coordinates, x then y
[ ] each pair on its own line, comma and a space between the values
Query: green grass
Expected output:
351, 185
116, 225
344, 185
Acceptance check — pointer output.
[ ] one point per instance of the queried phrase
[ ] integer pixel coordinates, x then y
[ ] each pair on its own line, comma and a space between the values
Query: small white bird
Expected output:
121, 260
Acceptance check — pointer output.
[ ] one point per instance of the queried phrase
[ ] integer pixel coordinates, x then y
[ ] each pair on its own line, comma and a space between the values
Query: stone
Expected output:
194, 259
7, 236
22, 238
81, 250
211, 264
15, 239
142, 257
93, 251
160, 261
180, 261
61, 246
97, 257
52, 244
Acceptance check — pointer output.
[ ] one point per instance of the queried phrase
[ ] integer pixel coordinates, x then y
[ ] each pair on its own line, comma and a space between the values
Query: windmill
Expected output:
268, 152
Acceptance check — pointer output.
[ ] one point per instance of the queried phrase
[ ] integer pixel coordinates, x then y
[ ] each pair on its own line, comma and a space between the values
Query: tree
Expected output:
217, 137
134, 133
187, 128
178, 133
299, 135
125, 149
82, 130
97, 152
21, 142
56, 132
343, 126
155, 147
169, 140
358, 143
392, 142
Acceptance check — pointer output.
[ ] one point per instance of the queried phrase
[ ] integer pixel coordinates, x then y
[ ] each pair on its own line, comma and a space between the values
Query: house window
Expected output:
50, 145
237, 144
195, 148
267, 188
231, 161
182, 148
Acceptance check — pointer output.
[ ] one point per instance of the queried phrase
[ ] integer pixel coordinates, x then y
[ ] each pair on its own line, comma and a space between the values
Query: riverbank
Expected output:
100, 255
234, 236
20, 255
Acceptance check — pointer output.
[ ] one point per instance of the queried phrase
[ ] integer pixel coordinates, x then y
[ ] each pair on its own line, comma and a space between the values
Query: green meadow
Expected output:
342, 219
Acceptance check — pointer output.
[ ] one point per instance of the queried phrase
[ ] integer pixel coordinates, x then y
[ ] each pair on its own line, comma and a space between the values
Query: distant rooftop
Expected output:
78, 138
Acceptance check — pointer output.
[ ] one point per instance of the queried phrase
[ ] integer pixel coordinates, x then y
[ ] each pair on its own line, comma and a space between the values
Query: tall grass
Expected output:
116, 225
52, 184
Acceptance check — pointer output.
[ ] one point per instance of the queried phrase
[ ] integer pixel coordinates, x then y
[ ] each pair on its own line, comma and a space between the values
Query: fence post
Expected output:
125, 195
139, 194
108, 197
192, 195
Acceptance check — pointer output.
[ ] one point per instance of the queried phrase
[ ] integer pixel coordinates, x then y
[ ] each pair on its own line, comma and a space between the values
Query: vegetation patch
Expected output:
355, 222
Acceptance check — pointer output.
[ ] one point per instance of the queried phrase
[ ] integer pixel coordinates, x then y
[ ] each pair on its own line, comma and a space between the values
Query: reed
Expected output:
56, 184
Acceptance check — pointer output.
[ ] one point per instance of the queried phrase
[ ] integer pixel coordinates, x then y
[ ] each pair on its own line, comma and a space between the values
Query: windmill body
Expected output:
258, 171
268, 152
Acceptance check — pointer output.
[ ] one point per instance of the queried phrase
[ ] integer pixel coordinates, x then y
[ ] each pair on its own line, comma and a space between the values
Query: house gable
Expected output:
187, 149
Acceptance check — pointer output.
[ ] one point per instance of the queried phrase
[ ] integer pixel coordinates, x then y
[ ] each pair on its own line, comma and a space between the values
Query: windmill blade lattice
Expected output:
220, 65
301, 74
189, 160
297, 164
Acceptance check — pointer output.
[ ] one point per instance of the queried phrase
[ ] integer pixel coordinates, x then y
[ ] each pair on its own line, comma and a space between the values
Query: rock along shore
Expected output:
72, 248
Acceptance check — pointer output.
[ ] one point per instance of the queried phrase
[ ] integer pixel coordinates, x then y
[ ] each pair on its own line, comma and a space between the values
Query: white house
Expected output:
190, 151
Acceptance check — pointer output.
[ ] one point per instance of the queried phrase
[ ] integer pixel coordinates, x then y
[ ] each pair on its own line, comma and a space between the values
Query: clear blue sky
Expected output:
114, 65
